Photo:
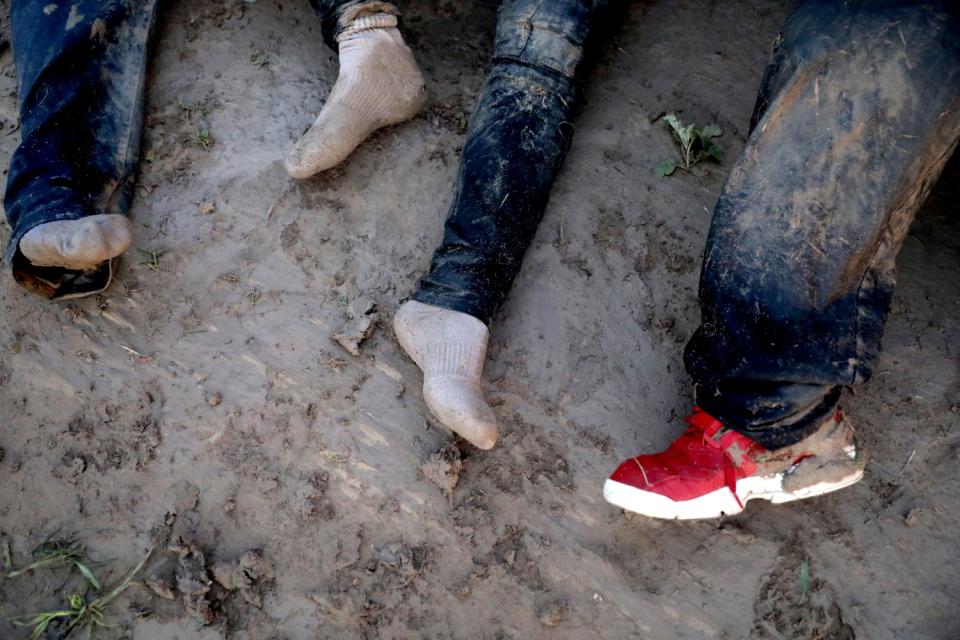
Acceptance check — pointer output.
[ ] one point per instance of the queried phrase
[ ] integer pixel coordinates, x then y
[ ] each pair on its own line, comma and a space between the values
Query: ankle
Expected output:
441, 341
368, 22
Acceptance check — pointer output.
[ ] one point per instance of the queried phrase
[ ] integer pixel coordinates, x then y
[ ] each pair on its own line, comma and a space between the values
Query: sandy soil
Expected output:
201, 405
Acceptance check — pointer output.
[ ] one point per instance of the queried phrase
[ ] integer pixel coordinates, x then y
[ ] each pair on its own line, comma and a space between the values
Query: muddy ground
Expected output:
201, 404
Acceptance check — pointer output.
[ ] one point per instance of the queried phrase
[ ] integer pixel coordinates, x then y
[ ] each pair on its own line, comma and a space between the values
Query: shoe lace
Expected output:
707, 426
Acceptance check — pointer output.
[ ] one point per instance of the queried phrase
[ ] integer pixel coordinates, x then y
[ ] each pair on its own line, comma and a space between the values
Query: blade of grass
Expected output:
120, 588
35, 565
88, 574
41, 621
804, 581
82, 614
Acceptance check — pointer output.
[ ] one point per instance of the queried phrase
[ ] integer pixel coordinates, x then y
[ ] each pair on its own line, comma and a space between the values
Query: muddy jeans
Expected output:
333, 12
858, 112
81, 68
517, 140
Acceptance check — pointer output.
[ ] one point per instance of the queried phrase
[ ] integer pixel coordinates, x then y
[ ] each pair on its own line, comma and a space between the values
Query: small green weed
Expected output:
80, 612
695, 145
259, 58
804, 581
202, 138
202, 107
57, 552
153, 259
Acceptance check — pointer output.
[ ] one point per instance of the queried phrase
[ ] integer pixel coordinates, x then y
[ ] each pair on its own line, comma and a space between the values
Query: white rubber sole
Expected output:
716, 503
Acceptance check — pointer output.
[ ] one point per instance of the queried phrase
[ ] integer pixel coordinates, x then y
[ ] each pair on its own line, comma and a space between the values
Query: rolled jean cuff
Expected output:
53, 282
340, 18
540, 39
780, 433
31, 204
366, 23
466, 303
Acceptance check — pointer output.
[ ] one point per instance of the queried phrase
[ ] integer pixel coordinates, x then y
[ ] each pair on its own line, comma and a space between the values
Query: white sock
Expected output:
379, 85
77, 244
449, 347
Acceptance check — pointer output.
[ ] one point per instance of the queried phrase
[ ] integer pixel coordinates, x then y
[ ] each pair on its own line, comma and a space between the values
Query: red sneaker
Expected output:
711, 470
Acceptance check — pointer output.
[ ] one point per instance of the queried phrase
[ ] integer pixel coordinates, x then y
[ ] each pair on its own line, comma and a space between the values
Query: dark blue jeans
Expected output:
858, 112
81, 68
330, 12
517, 140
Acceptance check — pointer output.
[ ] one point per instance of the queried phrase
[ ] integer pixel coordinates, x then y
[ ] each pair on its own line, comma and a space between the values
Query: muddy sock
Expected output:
449, 347
379, 85
77, 244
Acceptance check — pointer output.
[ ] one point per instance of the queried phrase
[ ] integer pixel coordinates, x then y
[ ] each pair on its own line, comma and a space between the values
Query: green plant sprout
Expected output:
80, 613
203, 139
259, 58
58, 552
152, 260
804, 581
695, 145
202, 107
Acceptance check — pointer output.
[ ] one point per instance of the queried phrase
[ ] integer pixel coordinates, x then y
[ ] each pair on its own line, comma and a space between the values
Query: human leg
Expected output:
516, 143
379, 83
81, 74
858, 112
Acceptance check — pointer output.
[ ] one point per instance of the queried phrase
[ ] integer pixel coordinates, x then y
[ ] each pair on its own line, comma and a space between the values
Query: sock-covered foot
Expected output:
77, 244
449, 347
379, 85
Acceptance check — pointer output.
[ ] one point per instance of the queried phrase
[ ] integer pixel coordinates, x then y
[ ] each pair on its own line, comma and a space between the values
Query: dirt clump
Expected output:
193, 581
444, 467
363, 317
249, 576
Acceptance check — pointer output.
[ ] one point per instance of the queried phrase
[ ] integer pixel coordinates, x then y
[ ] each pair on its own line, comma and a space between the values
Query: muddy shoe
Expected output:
710, 471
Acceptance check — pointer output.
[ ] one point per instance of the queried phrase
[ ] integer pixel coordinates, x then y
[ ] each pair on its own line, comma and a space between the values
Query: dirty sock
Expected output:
449, 347
77, 244
379, 85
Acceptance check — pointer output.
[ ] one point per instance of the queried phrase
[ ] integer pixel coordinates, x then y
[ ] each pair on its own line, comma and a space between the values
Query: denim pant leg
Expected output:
858, 112
330, 12
81, 68
517, 140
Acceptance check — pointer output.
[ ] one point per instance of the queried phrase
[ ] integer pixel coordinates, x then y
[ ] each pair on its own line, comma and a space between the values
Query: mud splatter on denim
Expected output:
81, 66
857, 114
516, 143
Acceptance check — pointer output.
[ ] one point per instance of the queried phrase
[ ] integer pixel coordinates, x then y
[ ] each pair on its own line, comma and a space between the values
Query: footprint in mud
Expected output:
528, 455
794, 604
118, 435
